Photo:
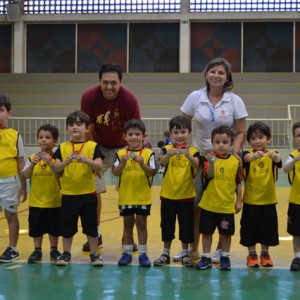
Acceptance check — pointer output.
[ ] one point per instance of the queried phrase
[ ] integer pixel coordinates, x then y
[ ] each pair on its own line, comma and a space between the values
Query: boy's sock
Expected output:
14, 248
224, 253
166, 251
297, 254
38, 249
142, 249
184, 252
128, 248
206, 254
263, 252
252, 252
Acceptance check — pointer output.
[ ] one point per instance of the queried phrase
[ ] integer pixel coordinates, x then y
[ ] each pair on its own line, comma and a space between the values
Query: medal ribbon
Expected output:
80, 149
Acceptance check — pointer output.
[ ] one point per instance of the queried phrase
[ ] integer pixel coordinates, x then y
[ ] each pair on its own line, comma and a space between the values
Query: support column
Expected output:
19, 53
184, 39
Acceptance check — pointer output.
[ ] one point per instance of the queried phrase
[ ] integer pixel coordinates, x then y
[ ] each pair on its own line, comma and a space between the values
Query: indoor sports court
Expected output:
50, 52
80, 280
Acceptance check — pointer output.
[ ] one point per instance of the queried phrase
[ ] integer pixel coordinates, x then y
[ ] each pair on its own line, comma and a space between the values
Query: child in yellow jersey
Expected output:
11, 165
292, 167
177, 194
259, 224
222, 197
135, 165
77, 161
44, 196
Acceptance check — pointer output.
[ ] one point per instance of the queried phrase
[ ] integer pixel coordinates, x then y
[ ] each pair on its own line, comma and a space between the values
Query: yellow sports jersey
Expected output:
77, 178
44, 187
134, 185
8, 152
178, 177
260, 177
220, 193
294, 179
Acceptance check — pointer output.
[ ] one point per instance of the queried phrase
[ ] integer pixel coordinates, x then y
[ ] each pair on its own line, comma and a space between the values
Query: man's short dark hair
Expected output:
111, 68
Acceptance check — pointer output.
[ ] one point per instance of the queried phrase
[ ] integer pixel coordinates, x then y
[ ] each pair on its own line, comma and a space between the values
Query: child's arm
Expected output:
289, 165
58, 166
194, 161
94, 164
210, 171
23, 189
275, 156
166, 157
117, 170
147, 169
29, 166
239, 197
248, 157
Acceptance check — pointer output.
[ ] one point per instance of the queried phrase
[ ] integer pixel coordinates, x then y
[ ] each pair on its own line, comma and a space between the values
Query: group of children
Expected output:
62, 189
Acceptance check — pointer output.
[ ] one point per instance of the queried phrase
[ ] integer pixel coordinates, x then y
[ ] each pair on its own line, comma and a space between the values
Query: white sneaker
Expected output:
216, 258
178, 257
192, 255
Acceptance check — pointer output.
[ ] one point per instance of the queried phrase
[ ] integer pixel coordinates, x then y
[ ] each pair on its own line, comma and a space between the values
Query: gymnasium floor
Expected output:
80, 280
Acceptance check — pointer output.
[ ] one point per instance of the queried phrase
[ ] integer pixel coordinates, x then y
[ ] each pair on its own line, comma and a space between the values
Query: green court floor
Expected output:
82, 281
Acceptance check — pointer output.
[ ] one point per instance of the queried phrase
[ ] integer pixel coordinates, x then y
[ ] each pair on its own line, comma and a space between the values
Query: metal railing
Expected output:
280, 128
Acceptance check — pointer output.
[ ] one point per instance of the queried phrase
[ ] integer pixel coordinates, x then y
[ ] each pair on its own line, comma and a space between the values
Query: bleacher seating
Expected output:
160, 95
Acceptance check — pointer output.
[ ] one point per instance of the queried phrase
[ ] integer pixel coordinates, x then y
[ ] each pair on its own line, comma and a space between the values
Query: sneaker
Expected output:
86, 246
178, 257
36, 256
187, 261
266, 261
295, 266
163, 260
204, 263
54, 254
225, 263
252, 261
96, 260
125, 259
64, 259
216, 258
9, 255
144, 260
